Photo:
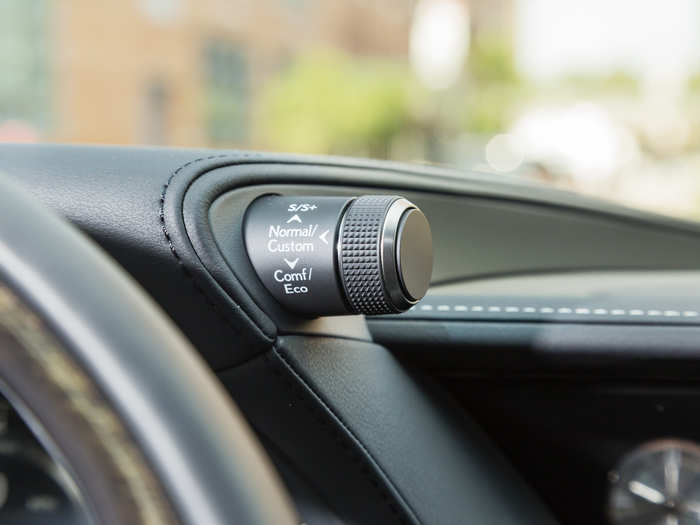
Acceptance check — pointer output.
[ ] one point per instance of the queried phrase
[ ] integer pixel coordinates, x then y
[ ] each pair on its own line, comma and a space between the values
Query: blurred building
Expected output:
178, 72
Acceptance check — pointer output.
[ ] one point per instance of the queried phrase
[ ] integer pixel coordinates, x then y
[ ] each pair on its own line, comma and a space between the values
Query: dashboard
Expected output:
568, 372
558, 334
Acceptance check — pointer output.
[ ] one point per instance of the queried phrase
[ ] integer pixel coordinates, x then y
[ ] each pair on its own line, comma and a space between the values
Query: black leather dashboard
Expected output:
529, 282
595, 322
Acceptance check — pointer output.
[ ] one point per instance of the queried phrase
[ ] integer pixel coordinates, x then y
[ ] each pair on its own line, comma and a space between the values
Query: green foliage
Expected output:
491, 62
487, 110
615, 82
328, 102
493, 88
694, 83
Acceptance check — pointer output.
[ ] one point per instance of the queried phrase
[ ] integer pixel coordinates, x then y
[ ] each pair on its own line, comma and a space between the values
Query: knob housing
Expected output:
336, 255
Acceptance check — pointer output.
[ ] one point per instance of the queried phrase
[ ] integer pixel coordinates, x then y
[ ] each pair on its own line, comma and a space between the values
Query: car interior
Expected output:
230, 335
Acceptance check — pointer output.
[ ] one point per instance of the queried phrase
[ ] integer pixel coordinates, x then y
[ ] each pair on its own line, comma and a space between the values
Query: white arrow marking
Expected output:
293, 263
323, 236
294, 218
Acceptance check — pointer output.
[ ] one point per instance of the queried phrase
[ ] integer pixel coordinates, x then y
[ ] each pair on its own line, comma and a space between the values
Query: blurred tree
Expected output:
493, 87
491, 61
328, 102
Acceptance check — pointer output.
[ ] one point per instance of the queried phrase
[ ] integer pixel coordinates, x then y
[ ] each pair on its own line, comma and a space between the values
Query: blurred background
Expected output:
601, 97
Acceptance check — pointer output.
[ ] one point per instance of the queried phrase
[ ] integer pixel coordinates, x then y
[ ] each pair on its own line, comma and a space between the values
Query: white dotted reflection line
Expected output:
565, 310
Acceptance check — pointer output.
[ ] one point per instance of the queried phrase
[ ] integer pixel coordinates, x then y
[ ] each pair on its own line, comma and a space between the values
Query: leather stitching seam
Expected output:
215, 308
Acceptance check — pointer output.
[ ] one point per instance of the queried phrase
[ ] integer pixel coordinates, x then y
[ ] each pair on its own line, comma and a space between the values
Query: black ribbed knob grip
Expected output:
360, 255
385, 254
333, 255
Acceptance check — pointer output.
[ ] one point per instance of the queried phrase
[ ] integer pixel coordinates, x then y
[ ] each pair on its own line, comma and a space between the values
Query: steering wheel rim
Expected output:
110, 363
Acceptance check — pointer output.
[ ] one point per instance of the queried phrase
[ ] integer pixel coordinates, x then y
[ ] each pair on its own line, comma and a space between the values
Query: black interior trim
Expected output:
125, 197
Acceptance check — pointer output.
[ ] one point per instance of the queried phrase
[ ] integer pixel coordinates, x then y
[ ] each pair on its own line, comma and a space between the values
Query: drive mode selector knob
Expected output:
337, 255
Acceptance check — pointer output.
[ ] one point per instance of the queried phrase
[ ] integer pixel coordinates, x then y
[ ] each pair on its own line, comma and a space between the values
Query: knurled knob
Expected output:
385, 254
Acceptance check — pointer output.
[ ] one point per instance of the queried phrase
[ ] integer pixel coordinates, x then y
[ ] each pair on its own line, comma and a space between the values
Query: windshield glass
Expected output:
601, 97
